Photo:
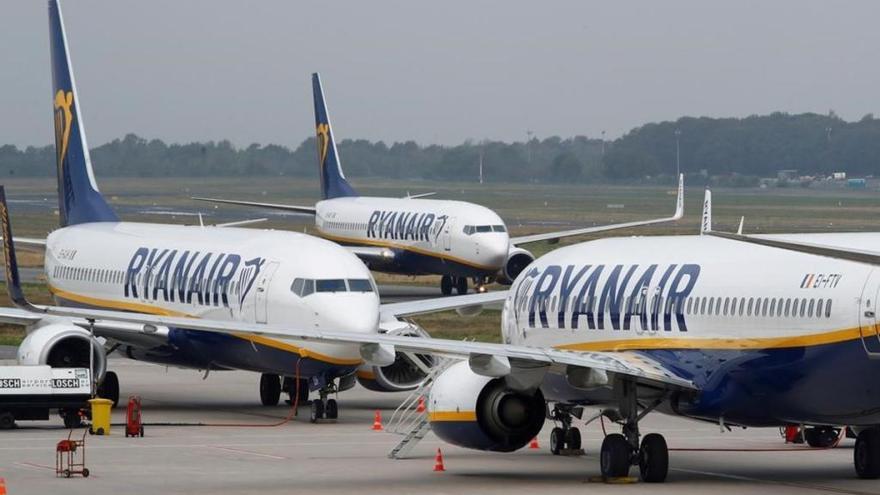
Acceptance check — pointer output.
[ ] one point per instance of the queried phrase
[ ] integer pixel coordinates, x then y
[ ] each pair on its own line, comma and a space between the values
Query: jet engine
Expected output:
403, 374
483, 413
517, 261
62, 345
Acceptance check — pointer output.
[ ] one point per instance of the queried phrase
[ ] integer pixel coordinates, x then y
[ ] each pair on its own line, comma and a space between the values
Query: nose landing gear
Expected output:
565, 439
324, 408
448, 282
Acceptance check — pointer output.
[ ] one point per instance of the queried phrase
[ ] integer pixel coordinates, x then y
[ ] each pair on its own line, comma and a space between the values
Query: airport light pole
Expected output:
529, 146
603, 143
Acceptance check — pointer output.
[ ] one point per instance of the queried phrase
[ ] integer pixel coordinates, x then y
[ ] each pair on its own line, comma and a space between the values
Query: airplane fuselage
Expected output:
224, 274
769, 336
427, 236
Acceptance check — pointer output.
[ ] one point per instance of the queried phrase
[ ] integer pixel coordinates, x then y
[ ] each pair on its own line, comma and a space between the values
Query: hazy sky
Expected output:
435, 72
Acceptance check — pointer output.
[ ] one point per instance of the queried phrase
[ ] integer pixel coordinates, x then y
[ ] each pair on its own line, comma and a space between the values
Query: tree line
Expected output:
741, 148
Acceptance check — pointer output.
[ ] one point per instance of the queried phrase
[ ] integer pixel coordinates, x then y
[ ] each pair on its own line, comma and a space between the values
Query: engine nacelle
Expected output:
401, 375
483, 413
517, 261
62, 345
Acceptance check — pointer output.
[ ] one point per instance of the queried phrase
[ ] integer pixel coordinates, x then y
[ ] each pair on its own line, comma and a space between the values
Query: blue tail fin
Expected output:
78, 198
333, 183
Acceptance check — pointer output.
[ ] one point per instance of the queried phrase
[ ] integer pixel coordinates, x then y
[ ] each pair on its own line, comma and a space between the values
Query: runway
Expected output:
348, 457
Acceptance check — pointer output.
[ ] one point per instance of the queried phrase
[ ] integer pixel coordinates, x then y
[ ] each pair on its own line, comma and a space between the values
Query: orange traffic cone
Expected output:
421, 407
438, 462
534, 444
2, 486
377, 421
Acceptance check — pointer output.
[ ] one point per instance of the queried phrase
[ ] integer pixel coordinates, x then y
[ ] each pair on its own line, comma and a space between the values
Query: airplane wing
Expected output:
857, 255
412, 308
416, 196
549, 236
30, 241
239, 223
305, 210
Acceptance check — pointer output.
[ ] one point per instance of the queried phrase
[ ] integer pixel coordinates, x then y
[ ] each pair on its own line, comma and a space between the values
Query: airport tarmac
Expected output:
348, 457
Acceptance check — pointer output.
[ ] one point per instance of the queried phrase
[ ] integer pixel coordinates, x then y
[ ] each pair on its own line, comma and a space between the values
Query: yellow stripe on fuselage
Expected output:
417, 250
155, 310
436, 416
716, 343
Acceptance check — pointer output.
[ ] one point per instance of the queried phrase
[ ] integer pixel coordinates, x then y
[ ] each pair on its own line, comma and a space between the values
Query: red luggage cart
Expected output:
70, 457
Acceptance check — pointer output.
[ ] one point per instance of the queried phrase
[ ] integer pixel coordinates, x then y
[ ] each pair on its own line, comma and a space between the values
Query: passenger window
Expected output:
751, 304
703, 305
787, 307
810, 308
803, 307
828, 309
773, 307
711, 305
726, 305
819, 305
764, 306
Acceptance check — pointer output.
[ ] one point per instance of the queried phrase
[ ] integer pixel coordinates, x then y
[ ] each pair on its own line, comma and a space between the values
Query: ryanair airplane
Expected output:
737, 330
244, 276
413, 236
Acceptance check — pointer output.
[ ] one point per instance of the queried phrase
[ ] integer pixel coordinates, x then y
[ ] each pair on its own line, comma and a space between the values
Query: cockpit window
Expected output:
479, 229
360, 285
302, 287
330, 285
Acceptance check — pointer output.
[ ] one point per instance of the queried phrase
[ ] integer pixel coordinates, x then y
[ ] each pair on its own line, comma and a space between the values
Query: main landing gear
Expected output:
324, 408
109, 388
866, 455
622, 451
271, 387
460, 284
564, 438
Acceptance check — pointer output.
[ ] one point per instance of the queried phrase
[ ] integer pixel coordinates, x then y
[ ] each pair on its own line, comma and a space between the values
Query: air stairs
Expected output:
407, 421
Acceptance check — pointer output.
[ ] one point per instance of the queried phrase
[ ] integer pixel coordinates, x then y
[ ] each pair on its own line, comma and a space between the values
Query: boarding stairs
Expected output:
407, 420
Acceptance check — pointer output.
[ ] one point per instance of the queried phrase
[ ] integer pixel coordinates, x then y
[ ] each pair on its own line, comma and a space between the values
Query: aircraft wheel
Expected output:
317, 411
866, 455
653, 459
573, 439
109, 388
7, 420
331, 410
614, 458
270, 389
461, 285
72, 419
446, 285
821, 437
557, 440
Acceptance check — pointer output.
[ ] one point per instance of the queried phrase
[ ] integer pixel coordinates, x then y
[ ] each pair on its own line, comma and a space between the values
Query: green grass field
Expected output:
527, 208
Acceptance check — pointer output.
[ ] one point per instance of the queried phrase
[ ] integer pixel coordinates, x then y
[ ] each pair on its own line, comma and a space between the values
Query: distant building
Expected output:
856, 183
839, 175
789, 174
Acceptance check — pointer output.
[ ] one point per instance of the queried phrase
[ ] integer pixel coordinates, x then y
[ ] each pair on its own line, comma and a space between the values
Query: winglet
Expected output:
706, 224
13, 281
739, 231
679, 200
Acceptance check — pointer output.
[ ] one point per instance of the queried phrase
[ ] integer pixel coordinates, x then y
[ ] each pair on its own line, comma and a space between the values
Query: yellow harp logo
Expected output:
323, 142
63, 123
7, 242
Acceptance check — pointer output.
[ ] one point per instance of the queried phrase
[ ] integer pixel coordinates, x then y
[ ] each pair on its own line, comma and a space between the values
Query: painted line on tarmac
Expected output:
34, 465
819, 488
248, 452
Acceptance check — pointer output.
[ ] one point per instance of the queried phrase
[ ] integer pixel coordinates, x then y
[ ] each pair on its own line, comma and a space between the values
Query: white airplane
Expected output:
216, 273
412, 236
733, 329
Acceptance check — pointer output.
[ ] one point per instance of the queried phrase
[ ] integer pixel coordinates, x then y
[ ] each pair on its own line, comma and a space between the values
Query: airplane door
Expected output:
869, 325
261, 297
446, 235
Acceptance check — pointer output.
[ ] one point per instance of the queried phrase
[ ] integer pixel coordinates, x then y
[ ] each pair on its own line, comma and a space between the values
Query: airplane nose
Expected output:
495, 250
357, 312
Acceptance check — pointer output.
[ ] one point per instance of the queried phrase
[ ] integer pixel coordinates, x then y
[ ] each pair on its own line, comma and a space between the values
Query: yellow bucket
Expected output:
100, 416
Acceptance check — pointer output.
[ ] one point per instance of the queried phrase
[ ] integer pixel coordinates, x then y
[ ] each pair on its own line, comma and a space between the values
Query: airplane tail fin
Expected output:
79, 200
706, 223
13, 281
333, 183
